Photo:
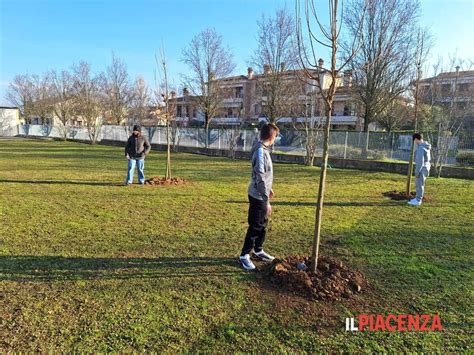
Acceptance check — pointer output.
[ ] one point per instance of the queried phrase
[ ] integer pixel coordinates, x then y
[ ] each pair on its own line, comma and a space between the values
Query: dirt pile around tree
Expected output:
400, 196
158, 181
333, 280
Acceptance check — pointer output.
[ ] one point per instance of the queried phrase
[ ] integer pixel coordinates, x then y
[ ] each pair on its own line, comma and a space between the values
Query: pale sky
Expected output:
39, 35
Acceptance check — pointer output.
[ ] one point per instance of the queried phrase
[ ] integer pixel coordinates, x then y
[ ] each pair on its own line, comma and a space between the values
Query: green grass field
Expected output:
89, 265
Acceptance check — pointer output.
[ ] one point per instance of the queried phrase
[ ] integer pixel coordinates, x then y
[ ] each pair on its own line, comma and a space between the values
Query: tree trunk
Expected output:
310, 148
367, 120
66, 130
168, 151
415, 128
207, 123
321, 189
410, 169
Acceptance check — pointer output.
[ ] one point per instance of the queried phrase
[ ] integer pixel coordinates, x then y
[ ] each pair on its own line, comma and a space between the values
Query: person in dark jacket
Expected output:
422, 167
259, 193
136, 149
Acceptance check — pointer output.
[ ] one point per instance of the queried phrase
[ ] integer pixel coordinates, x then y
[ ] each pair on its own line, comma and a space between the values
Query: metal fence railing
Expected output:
393, 146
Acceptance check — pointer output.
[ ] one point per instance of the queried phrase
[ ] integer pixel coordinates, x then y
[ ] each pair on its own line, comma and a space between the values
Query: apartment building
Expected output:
246, 99
453, 90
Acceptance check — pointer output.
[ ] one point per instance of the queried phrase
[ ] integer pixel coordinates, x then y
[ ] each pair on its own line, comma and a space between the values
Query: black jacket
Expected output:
137, 147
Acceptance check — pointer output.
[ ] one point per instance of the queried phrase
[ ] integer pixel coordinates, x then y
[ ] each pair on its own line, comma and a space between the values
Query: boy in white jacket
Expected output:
422, 167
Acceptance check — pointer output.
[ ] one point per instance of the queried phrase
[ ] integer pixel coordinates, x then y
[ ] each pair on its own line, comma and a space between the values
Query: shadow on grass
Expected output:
341, 204
57, 268
62, 182
105, 156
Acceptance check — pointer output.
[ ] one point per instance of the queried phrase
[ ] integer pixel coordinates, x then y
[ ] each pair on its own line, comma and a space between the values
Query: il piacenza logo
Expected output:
394, 323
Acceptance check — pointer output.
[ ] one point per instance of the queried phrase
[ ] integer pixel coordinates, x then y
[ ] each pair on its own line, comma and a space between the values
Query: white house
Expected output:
9, 121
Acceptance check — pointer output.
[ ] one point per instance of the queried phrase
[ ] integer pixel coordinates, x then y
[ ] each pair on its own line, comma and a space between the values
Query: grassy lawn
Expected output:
88, 265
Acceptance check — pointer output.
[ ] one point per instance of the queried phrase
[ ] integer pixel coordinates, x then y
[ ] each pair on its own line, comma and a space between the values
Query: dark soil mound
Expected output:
332, 281
156, 180
400, 196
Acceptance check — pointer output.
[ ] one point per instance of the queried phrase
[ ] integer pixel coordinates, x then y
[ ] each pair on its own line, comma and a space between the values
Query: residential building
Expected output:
246, 98
453, 90
187, 108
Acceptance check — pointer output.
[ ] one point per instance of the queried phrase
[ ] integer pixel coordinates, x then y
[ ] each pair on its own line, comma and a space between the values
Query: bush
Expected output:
465, 158
376, 154
337, 151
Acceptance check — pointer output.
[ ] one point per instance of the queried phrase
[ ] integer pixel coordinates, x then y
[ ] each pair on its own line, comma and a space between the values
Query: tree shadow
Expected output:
58, 268
340, 204
61, 182
106, 156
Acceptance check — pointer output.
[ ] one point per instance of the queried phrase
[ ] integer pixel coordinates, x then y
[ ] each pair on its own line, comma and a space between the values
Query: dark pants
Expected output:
257, 223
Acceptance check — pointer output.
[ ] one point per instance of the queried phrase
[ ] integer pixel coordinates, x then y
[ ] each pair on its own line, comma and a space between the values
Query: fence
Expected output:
393, 146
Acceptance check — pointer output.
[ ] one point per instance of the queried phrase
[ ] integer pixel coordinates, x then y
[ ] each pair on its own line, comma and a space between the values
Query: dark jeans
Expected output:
257, 223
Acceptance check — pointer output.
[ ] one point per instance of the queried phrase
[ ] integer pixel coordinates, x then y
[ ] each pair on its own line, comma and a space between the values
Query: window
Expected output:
194, 113
239, 92
446, 88
347, 111
229, 113
463, 87
178, 111
256, 109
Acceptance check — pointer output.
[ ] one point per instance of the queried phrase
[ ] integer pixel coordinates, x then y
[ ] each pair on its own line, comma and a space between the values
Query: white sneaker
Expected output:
246, 262
264, 256
414, 202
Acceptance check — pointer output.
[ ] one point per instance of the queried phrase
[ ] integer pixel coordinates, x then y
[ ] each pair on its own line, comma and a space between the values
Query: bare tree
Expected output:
311, 35
304, 106
175, 126
382, 69
209, 61
20, 93
62, 94
42, 101
167, 103
115, 86
421, 52
276, 53
446, 106
312, 127
396, 115
140, 103
230, 136
32, 95
87, 99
